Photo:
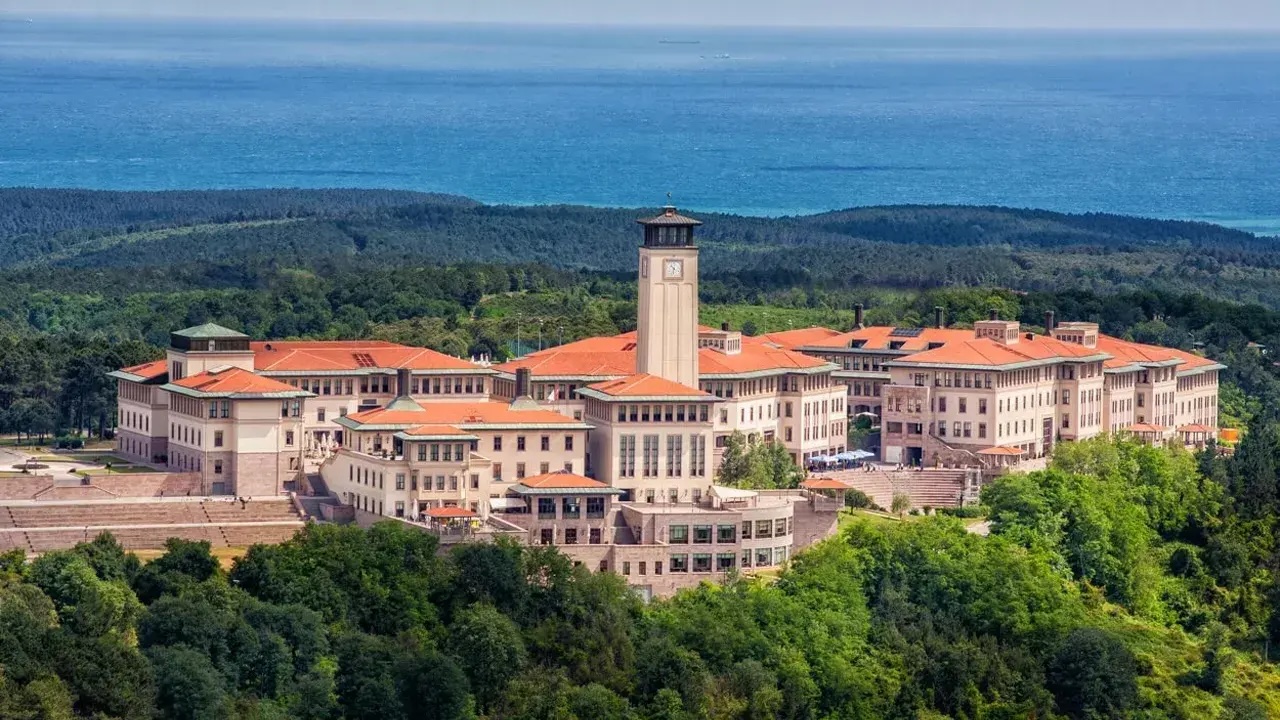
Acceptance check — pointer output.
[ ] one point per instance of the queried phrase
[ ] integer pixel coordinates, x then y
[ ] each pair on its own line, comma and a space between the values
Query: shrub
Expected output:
857, 499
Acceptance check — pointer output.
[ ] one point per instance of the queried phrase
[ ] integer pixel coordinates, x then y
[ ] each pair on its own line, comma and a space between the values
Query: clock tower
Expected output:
667, 309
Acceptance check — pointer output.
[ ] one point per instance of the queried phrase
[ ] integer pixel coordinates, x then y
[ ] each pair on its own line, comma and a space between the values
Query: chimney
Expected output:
1048, 322
857, 317
402, 382
724, 327
522, 382
993, 314
937, 316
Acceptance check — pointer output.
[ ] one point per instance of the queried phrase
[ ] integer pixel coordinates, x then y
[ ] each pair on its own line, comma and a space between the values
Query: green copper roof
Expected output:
209, 330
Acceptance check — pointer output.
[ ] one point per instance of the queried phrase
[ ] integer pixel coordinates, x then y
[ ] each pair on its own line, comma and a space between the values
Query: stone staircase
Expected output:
934, 487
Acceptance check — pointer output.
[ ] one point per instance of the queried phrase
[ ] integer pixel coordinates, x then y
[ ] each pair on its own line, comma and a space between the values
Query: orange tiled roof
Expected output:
645, 385
336, 355
985, 351
792, 339
459, 413
1001, 450
560, 480
1195, 428
148, 370
1146, 428
233, 380
425, 430
880, 337
616, 356
449, 512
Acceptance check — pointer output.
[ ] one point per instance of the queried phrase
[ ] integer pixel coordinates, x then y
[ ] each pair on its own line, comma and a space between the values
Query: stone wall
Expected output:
23, 487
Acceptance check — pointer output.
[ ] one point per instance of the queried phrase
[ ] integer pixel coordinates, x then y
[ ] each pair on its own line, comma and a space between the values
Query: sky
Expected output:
1149, 14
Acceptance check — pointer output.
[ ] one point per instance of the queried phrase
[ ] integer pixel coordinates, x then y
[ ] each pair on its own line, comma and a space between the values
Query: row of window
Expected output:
375, 479
571, 536
544, 443
728, 533
663, 413
570, 508
723, 562
649, 466
134, 420
543, 469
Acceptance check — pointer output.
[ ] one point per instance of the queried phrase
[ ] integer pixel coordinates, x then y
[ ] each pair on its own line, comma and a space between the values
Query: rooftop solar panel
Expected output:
906, 332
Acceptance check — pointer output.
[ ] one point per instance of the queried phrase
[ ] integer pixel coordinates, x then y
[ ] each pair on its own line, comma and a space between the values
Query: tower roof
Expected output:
670, 218
207, 331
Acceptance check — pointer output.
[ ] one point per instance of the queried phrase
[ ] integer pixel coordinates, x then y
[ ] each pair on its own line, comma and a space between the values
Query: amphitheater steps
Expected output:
933, 487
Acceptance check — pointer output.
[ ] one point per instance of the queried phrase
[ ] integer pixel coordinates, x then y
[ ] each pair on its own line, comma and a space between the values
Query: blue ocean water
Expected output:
747, 121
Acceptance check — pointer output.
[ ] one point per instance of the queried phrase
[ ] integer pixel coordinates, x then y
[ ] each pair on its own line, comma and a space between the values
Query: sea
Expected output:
750, 121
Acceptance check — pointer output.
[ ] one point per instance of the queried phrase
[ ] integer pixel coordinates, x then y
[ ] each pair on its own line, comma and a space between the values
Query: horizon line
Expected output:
684, 28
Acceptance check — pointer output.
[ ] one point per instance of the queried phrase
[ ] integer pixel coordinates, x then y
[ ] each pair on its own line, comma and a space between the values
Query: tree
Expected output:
901, 504
188, 686
1093, 675
488, 647
735, 466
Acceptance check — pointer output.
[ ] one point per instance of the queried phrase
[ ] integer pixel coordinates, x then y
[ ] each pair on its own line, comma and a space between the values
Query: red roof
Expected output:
460, 413
336, 355
824, 484
985, 351
233, 380
1146, 428
1001, 450
616, 356
450, 512
427, 430
792, 339
645, 385
561, 481
1195, 428
148, 370
881, 337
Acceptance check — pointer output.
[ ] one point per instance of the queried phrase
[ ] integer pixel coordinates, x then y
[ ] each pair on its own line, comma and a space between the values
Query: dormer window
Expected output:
857, 343
896, 345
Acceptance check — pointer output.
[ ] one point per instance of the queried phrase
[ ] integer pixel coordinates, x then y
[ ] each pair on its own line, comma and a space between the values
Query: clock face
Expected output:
674, 268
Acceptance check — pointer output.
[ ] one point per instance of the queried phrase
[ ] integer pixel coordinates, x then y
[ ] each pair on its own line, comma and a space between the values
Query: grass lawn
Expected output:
849, 516
225, 556
97, 459
118, 470
17, 473
53, 457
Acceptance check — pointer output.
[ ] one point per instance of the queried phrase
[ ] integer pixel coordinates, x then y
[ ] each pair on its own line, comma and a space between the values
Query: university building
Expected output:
607, 447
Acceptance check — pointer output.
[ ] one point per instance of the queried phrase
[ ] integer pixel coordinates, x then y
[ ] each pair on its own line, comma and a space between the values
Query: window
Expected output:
726, 533
288, 437
226, 408
724, 561
217, 438
217, 467
497, 472
764, 528
568, 442
497, 443
702, 563
571, 508
399, 481
764, 557
657, 567
626, 567
439, 483
982, 430
545, 444
320, 414
678, 534
571, 537
399, 503
213, 409
546, 508
702, 534
520, 443
643, 567
595, 507
547, 536
679, 563
746, 529
780, 527
964, 405
982, 405
593, 536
